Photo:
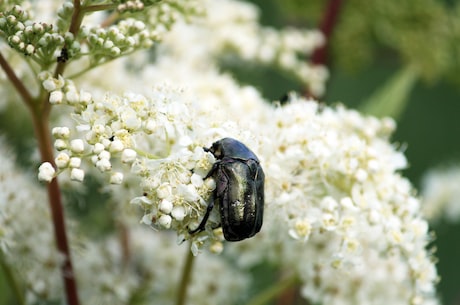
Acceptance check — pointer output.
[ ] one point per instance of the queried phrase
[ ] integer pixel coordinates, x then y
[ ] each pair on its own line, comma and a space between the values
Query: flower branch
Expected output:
17, 83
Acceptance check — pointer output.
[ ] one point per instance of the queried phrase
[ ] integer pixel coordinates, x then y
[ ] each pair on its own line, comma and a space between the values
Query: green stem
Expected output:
98, 7
185, 279
12, 280
146, 154
92, 66
275, 290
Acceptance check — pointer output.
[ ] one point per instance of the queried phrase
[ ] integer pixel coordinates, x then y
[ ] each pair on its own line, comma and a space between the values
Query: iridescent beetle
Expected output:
239, 190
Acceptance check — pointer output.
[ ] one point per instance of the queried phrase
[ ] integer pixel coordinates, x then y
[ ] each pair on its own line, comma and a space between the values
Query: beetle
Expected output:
239, 190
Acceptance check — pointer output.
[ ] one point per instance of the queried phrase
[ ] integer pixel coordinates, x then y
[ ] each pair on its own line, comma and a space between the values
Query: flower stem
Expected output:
186, 274
12, 280
41, 121
275, 290
328, 23
17, 83
40, 110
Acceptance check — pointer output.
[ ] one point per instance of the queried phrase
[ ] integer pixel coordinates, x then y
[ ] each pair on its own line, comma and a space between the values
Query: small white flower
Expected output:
85, 97
98, 148
77, 174
103, 165
74, 162
150, 126
166, 206
46, 172
142, 200
61, 132
116, 146
30, 49
197, 180
62, 160
329, 221
146, 219
301, 230
104, 155
77, 146
128, 155
56, 97
116, 178
72, 96
15, 39
60, 144
164, 191
108, 44
165, 221
216, 247
49, 84
178, 212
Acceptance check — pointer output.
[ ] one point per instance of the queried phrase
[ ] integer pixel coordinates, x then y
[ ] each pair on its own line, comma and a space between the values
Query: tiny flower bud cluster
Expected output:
164, 15
30, 38
117, 40
63, 91
130, 6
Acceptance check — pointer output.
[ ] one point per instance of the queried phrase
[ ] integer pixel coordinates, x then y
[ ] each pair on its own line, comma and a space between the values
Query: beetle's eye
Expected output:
217, 151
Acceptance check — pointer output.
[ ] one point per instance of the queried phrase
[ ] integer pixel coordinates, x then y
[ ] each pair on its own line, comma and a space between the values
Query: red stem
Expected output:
57, 211
40, 117
17, 83
327, 25
40, 109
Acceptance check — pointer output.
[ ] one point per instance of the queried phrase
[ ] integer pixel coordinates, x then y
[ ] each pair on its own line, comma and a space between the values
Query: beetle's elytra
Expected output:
239, 190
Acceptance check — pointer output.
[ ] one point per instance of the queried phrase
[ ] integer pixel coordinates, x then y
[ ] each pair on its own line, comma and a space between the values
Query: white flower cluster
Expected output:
335, 204
147, 138
125, 37
441, 193
336, 209
26, 236
104, 275
152, 272
237, 30
30, 38
231, 29
338, 214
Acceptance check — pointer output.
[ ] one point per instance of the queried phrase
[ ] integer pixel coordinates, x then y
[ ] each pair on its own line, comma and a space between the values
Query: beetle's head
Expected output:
216, 149
231, 148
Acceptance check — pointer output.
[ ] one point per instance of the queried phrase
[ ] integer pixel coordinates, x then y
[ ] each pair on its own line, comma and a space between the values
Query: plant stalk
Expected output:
57, 212
273, 291
185, 279
12, 280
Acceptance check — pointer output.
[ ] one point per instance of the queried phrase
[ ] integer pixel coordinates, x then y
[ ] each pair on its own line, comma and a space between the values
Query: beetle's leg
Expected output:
205, 219
210, 205
213, 169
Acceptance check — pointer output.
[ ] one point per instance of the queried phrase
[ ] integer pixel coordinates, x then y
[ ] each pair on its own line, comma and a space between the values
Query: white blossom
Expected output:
440, 193
335, 204
77, 174
46, 172
62, 160
116, 178
77, 146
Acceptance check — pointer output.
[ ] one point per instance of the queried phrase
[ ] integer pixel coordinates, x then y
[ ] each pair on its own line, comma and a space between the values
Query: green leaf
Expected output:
391, 99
